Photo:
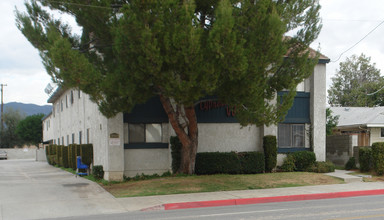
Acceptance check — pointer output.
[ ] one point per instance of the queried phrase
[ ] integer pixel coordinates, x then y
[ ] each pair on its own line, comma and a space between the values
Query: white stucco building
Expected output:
138, 142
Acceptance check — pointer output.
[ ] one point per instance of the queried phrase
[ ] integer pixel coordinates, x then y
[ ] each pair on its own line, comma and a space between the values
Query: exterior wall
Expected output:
147, 161
317, 110
226, 137
375, 135
48, 128
20, 153
83, 116
340, 148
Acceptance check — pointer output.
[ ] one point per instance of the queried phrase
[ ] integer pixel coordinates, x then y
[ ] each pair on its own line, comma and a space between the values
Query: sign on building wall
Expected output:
114, 139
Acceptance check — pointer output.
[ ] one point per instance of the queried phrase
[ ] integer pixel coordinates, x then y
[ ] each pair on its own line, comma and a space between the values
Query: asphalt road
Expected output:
365, 207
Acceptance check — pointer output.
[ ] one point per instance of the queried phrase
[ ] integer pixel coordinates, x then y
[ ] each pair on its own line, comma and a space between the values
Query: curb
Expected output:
248, 201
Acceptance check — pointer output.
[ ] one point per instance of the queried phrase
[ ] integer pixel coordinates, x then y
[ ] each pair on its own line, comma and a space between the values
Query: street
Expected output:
365, 207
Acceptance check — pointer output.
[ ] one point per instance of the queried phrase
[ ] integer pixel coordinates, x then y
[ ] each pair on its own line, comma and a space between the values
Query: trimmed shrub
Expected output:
59, 153
72, 156
304, 160
65, 157
176, 153
217, 162
288, 164
322, 167
378, 157
270, 152
251, 162
86, 153
365, 159
351, 164
98, 171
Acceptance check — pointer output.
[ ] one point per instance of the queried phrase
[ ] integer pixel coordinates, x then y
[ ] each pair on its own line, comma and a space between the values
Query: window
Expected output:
54, 141
291, 136
67, 140
144, 133
80, 134
58, 141
66, 101
61, 105
79, 93
71, 96
382, 132
73, 138
88, 136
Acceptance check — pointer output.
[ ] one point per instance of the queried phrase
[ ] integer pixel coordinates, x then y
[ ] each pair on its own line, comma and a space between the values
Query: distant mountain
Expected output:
28, 109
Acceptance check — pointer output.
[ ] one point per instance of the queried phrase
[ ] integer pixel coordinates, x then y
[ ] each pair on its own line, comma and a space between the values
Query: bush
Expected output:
176, 153
217, 162
251, 162
98, 171
351, 164
288, 164
270, 152
86, 153
72, 156
378, 157
304, 160
65, 157
229, 163
322, 167
365, 159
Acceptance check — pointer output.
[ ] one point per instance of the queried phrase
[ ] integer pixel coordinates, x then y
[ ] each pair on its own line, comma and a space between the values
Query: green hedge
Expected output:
378, 157
303, 160
270, 152
86, 153
351, 164
66, 156
365, 158
176, 153
229, 163
252, 162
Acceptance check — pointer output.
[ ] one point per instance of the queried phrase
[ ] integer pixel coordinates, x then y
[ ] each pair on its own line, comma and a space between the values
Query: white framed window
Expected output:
144, 133
291, 135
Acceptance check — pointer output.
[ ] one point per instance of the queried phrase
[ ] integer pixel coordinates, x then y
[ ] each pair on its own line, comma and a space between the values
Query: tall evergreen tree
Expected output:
356, 78
181, 51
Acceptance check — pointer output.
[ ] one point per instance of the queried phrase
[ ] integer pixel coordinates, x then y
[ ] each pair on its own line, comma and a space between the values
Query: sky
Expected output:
345, 22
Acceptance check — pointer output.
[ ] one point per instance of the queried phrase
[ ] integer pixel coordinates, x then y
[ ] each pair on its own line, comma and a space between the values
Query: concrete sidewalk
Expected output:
353, 187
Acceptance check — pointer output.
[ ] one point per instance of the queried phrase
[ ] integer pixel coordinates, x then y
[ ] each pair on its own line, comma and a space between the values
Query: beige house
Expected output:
367, 124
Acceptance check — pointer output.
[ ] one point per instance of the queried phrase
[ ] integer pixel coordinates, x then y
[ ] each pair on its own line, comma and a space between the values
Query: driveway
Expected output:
36, 190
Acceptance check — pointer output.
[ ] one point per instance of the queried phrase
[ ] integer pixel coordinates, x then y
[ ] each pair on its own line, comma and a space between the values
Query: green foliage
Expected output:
322, 167
351, 164
9, 138
356, 78
176, 153
30, 129
378, 157
365, 158
229, 163
270, 152
98, 171
332, 121
64, 160
251, 162
217, 162
181, 51
288, 164
304, 160
59, 156
86, 153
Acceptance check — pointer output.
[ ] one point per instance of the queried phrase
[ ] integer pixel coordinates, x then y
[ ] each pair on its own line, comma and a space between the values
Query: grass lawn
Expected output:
212, 183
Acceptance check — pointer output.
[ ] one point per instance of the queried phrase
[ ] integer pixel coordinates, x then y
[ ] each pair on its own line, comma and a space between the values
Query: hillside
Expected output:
28, 109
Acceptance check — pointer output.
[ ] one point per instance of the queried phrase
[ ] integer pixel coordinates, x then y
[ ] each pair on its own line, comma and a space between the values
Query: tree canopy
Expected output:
8, 136
181, 51
30, 129
332, 121
355, 80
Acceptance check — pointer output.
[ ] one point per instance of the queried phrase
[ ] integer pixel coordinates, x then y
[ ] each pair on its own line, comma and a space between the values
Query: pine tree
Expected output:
181, 51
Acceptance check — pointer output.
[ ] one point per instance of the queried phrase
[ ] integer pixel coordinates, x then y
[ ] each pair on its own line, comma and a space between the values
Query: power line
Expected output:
333, 61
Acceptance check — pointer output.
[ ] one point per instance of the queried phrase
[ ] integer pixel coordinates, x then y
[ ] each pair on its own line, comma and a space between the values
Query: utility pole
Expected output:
2, 106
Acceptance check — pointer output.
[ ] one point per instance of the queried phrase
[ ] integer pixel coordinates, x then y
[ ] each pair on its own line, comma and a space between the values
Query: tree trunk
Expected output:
184, 122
